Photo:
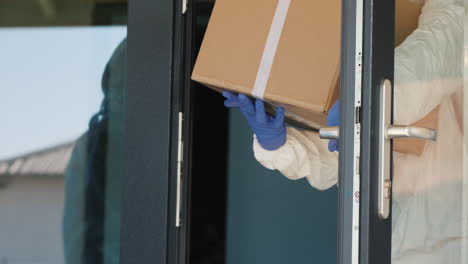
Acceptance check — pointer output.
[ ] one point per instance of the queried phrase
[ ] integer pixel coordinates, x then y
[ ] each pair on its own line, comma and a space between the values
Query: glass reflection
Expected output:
94, 174
430, 187
62, 114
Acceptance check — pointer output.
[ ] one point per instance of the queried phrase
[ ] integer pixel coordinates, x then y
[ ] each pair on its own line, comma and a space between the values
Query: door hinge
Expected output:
180, 160
184, 6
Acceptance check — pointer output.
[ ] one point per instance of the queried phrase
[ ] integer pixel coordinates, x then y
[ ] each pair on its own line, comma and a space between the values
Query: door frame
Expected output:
378, 65
365, 30
350, 101
152, 105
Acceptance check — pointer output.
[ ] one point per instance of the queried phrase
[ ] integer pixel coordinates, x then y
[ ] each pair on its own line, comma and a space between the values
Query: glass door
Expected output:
414, 151
63, 84
429, 184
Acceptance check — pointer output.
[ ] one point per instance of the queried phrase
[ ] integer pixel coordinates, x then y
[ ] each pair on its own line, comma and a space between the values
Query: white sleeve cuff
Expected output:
303, 155
280, 159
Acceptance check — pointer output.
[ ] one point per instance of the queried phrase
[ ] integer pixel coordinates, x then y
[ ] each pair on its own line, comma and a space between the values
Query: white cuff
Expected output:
279, 159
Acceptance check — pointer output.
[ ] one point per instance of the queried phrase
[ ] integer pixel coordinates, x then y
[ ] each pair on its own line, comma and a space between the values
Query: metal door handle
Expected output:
388, 131
329, 132
391, 132
411, 132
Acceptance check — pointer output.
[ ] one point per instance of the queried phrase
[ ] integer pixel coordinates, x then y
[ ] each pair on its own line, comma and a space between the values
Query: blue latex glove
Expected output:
334, 120
270, 131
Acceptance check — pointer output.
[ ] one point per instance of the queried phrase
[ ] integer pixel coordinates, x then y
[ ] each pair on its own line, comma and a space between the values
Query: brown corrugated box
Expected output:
416, 146
304, 73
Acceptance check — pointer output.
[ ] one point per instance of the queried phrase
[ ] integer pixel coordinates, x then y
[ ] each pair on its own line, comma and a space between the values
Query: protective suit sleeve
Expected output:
303, 155
423, 74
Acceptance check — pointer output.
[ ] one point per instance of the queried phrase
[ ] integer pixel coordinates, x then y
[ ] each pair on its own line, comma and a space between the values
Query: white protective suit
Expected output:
428, 220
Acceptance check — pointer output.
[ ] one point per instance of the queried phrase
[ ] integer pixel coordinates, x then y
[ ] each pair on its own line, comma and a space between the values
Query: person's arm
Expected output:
303, 155
296, 154
428, 65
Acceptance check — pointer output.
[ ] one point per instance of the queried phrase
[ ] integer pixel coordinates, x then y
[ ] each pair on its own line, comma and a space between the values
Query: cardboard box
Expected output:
431, 120
416, 146
406, 19
286, 52
291, 51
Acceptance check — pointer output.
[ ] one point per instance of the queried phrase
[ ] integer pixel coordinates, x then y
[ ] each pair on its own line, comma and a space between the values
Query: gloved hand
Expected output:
334, 120
270, 131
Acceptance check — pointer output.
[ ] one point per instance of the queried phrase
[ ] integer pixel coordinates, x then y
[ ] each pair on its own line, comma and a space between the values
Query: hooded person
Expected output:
428, 220
91, 221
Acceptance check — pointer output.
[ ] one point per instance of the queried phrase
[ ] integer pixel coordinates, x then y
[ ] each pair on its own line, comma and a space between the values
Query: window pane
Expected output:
430, 184
62, 114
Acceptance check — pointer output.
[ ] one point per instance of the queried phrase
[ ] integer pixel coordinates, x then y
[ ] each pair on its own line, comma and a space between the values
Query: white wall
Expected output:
30, 220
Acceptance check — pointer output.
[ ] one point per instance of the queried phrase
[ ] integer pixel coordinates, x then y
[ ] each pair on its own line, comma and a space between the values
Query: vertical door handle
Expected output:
388, 131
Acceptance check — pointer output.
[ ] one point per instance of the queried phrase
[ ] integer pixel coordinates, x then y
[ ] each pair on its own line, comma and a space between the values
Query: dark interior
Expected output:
240, 212
208, 188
